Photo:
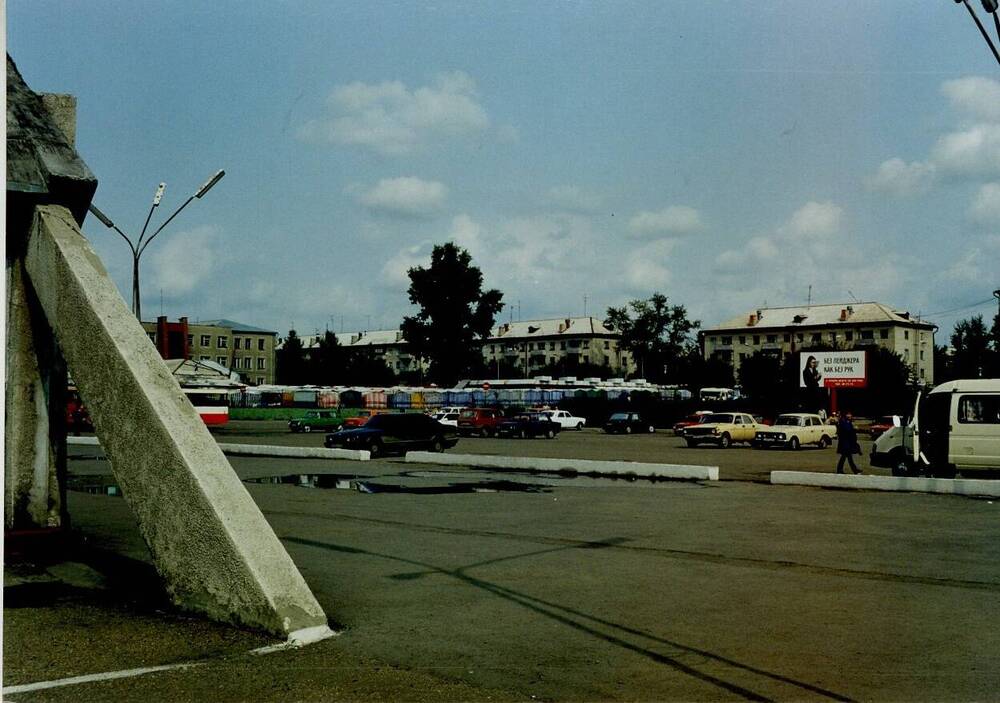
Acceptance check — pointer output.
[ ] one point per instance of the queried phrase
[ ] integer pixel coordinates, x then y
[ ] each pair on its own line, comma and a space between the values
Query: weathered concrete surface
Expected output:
33, 454
583, 466
213, 548
948, 486
264, 450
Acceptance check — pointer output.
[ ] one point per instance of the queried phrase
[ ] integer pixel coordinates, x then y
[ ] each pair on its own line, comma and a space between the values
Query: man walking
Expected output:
847, 443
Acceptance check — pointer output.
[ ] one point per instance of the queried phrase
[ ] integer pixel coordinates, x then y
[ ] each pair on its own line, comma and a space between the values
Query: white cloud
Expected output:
897, 177
976, 96
673, 220
646, 267
974, 151
468, 234
986, 205
392, 119
183, 260
407, 197
395, 272
814, 220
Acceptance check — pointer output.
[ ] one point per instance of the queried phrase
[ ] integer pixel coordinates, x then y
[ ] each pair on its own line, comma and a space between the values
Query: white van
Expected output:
956, 427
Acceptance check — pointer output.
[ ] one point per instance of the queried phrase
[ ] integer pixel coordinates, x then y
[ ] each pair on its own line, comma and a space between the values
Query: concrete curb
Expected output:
949, 486
265, 450
583, 466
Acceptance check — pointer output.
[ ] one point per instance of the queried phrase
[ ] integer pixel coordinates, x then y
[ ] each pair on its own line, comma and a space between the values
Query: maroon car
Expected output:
479, 421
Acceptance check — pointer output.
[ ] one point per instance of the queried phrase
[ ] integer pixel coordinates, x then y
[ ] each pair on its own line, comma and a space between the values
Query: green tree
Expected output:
328, 361
365, 369
760, 379
657, 334
455, 314
973, 356
291, 365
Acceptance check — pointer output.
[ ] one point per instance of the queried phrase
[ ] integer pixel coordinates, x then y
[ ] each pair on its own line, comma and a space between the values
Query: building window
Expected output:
237, 343
833, 338
921, 354
849, 335
206, 358
206, 339
562, 345
799, 337
531, 346
152, 337
607, 344
788, 338
867, 334
884, 334
247, 362
756, 339
190, 340
727, 340
906, 354
743, 339
772, 338
260, 344
261, 364
221, 342
552, 346
906, 334
221, 360
260, 380
817, 337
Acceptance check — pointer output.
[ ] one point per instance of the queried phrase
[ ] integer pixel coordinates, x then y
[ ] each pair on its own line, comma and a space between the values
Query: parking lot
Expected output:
459, 584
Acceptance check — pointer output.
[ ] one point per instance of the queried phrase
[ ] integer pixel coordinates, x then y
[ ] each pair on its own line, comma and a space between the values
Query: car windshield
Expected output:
719, 418
619, 416
468, 413
376, 421
792, 420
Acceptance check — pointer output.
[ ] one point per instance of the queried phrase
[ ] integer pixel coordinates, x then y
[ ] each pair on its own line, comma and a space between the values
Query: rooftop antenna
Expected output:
853, 296
809, 300
584, 304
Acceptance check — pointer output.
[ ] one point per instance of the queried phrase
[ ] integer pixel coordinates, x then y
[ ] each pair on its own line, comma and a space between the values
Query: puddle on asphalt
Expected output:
367, 485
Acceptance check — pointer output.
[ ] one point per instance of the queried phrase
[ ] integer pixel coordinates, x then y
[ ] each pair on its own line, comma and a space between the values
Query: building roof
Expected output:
819, 315
564, 326
234, 326
42, 165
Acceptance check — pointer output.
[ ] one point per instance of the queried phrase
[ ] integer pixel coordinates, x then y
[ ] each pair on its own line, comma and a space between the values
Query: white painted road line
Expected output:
95, 678
948, 486
583, 466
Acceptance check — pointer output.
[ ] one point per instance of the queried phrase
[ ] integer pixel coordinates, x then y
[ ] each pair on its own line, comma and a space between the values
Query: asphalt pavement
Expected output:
460, 584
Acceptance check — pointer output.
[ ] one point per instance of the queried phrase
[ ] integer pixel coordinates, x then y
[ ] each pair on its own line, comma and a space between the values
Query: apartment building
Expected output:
248, 350
533, 344
786, 330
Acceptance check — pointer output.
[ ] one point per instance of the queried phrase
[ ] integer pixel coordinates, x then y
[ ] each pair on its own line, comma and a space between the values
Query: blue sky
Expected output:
727, 154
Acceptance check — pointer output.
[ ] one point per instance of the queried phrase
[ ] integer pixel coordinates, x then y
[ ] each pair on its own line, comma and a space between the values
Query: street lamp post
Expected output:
139, 245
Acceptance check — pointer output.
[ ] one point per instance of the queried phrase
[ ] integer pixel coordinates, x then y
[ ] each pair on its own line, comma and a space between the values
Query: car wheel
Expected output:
438, 445
651, 429
824, 442
523, 434
484, 433
628, 429
375, 449
793, 444
579, 426
307, 428
692, 444
726, 441
899, 466
755, 445
550, 434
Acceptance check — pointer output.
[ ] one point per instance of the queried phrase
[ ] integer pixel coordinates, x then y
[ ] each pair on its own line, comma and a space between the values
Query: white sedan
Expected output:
565, 420
447, 418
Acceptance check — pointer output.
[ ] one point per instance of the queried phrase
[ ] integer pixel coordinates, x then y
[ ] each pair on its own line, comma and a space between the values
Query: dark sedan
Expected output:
627, 423
528, 425
384, 434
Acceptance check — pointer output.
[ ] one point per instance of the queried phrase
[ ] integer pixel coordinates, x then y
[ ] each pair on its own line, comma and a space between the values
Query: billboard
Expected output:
837, 369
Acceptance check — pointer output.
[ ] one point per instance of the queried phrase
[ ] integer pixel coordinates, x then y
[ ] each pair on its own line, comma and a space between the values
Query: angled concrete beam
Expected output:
211, 545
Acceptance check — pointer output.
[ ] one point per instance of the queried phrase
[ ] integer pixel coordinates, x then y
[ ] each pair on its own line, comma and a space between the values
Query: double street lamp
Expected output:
140, 244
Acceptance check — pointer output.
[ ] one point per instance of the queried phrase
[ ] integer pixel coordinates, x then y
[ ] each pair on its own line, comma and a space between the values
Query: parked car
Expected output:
447, 418
360, 419
479, 421
883, 424
628, 423
528, 425
566, 420
397, 432
321, 420
695, 419
722, 429
792, 430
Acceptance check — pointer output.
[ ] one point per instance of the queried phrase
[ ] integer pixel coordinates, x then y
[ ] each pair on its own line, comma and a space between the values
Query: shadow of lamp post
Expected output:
139, 246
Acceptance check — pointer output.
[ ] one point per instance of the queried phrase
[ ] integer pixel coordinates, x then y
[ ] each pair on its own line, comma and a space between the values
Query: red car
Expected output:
479, 421
351, 423
883, 424
695, 419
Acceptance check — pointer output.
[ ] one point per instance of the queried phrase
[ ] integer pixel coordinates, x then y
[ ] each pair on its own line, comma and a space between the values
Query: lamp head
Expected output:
105, 220
209, 183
